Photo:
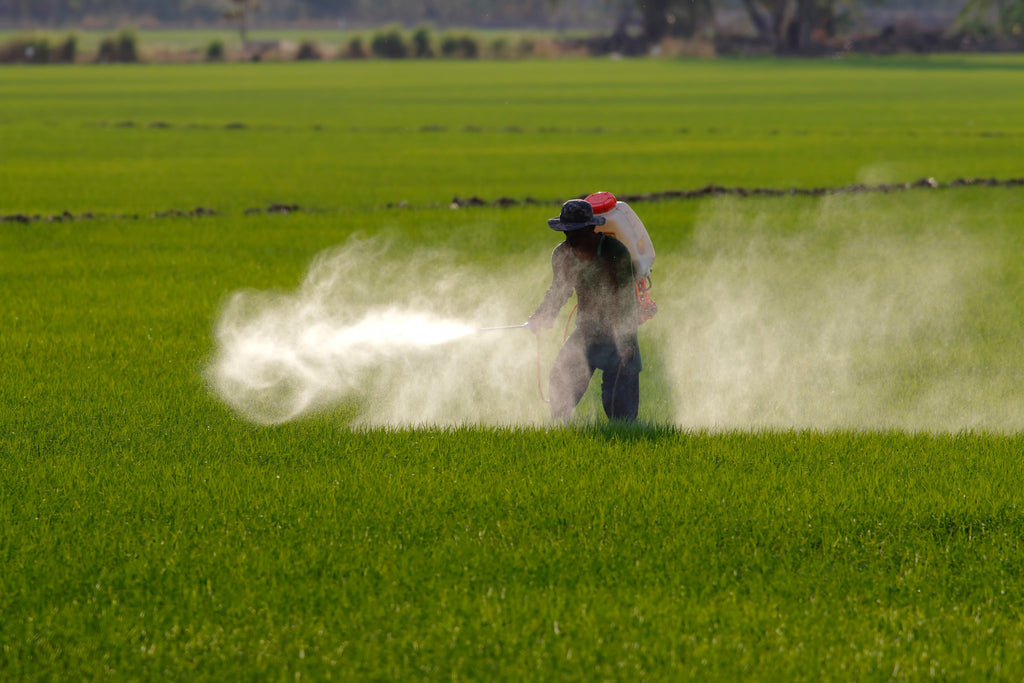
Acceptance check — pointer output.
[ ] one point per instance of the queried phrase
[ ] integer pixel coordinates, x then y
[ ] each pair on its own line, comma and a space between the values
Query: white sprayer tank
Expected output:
622, 223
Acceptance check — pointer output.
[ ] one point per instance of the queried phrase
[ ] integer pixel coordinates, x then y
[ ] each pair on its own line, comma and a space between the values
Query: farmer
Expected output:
599, 268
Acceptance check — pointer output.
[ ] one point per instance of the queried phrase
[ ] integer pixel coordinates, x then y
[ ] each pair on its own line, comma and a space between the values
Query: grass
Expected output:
509, 554
377, 133
148, 533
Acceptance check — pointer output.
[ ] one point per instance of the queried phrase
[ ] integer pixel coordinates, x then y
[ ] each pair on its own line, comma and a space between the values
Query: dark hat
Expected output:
576, 214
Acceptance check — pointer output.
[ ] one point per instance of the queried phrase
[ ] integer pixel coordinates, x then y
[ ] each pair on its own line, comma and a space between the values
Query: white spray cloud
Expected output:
858, 318
391, 339
860, 315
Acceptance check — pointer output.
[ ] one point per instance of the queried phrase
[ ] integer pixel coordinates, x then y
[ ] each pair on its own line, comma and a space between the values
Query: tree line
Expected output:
793, 25
788, 25
469, 12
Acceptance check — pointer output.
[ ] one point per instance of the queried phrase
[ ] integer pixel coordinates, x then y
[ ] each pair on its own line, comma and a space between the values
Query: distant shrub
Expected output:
40, 51
118, 48
499, 48
107, 51
66, 51
126, 47
464, 46
470, 48
355, 49
25, 50
389, 44
215, 51
309, 51
29, 49
421, 43
449, 46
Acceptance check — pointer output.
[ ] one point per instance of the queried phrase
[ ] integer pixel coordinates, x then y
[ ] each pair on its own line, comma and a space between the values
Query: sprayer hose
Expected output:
540, 387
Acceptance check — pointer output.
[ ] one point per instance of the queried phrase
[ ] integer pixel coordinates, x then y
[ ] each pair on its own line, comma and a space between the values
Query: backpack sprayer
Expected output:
622, 223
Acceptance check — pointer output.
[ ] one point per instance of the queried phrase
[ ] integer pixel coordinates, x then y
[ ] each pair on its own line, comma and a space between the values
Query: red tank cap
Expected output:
602, 201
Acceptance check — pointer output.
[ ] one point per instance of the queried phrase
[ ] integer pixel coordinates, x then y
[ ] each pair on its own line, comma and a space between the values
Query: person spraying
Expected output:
600, 269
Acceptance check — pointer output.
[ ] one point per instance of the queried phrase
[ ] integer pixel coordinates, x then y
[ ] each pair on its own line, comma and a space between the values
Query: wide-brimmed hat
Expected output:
576, 214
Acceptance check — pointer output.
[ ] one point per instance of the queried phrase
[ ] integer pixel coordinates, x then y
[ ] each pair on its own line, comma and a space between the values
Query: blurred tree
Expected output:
787, 24
240, 10
674, 17
421, 43
660, 18
1008, 15
324, 8
790, 25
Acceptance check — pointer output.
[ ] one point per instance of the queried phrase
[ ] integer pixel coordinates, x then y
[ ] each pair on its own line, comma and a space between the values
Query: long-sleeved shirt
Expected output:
605, 291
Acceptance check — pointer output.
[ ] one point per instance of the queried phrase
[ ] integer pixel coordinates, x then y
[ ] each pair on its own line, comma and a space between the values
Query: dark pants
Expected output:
578, 358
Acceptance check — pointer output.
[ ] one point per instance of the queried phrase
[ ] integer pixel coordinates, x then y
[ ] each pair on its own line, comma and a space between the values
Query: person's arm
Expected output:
558, 293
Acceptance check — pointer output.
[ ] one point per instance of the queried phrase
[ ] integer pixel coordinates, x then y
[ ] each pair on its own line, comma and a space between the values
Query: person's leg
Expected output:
620, 393
570, 376
620, 382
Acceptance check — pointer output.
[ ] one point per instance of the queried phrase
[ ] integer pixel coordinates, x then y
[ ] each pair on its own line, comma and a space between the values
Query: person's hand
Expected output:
535, 325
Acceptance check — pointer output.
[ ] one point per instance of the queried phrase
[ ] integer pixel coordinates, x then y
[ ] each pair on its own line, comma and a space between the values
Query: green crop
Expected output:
341, 136
825, 481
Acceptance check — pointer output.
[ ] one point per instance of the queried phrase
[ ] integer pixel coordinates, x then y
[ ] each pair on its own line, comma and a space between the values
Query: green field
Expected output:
825, 481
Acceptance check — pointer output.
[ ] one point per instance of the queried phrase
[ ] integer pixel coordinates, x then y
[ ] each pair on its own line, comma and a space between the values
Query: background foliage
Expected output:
659, 16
